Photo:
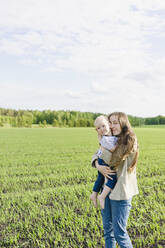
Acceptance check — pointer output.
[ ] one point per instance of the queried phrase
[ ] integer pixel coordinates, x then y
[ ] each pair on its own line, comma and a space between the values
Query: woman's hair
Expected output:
126, 141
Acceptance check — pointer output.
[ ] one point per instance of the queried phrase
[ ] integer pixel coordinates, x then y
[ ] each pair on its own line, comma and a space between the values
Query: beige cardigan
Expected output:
126, 185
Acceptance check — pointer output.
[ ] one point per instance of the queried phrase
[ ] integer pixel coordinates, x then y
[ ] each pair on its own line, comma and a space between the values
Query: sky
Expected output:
84, 55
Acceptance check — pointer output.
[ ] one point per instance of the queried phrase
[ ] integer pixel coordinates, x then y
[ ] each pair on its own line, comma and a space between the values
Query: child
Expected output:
107, 142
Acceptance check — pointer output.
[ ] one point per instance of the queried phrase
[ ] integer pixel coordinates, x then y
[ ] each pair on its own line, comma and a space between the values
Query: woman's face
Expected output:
115, 125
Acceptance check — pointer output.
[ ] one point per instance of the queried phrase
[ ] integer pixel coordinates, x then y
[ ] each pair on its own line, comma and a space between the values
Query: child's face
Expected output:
102, 127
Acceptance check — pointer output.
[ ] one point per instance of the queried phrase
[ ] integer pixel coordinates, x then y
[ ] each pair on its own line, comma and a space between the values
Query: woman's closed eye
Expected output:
115, 122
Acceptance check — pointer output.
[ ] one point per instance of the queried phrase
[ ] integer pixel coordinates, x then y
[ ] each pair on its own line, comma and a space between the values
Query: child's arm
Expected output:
106, 156
113, 149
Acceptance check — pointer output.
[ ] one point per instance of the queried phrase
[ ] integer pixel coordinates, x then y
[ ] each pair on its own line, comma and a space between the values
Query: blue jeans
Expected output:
114, 216
100, 179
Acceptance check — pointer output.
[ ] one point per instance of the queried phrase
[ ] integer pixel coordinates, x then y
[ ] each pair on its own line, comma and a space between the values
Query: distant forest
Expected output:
27, 118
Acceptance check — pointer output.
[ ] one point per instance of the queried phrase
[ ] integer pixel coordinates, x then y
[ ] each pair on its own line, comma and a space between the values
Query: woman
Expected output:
118, 203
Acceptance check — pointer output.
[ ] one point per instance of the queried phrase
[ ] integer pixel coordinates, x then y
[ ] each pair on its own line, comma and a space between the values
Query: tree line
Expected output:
61, 118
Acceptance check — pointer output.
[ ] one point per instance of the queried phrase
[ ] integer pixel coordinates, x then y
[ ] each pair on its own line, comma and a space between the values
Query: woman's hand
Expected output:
105, 170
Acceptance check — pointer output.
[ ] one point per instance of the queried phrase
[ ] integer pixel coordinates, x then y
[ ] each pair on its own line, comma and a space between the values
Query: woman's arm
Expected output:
104, 170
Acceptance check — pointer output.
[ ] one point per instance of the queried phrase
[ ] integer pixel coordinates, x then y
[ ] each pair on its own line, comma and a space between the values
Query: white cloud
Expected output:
149, 4
109, 41
26, 96
86, 34
72, 94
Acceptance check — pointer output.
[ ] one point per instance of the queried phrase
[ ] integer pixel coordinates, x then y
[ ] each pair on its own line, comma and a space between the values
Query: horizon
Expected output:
90, 56
66, 110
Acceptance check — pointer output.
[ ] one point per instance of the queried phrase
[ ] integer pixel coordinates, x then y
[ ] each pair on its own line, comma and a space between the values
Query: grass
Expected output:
46, 180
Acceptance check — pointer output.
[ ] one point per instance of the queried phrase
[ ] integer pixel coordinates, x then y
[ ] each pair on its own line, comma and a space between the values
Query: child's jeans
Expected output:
100, 179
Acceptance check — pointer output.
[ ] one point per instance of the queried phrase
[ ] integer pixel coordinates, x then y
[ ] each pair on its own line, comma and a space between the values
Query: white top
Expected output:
107, 142
126, 185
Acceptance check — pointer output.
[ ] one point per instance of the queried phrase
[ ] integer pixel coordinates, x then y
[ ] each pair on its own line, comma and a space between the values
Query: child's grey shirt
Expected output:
108, 142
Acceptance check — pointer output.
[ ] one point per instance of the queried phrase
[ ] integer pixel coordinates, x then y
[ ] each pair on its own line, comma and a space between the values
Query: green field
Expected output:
46, 180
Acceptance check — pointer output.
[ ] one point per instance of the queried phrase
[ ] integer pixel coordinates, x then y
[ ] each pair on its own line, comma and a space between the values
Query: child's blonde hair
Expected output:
100, 118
